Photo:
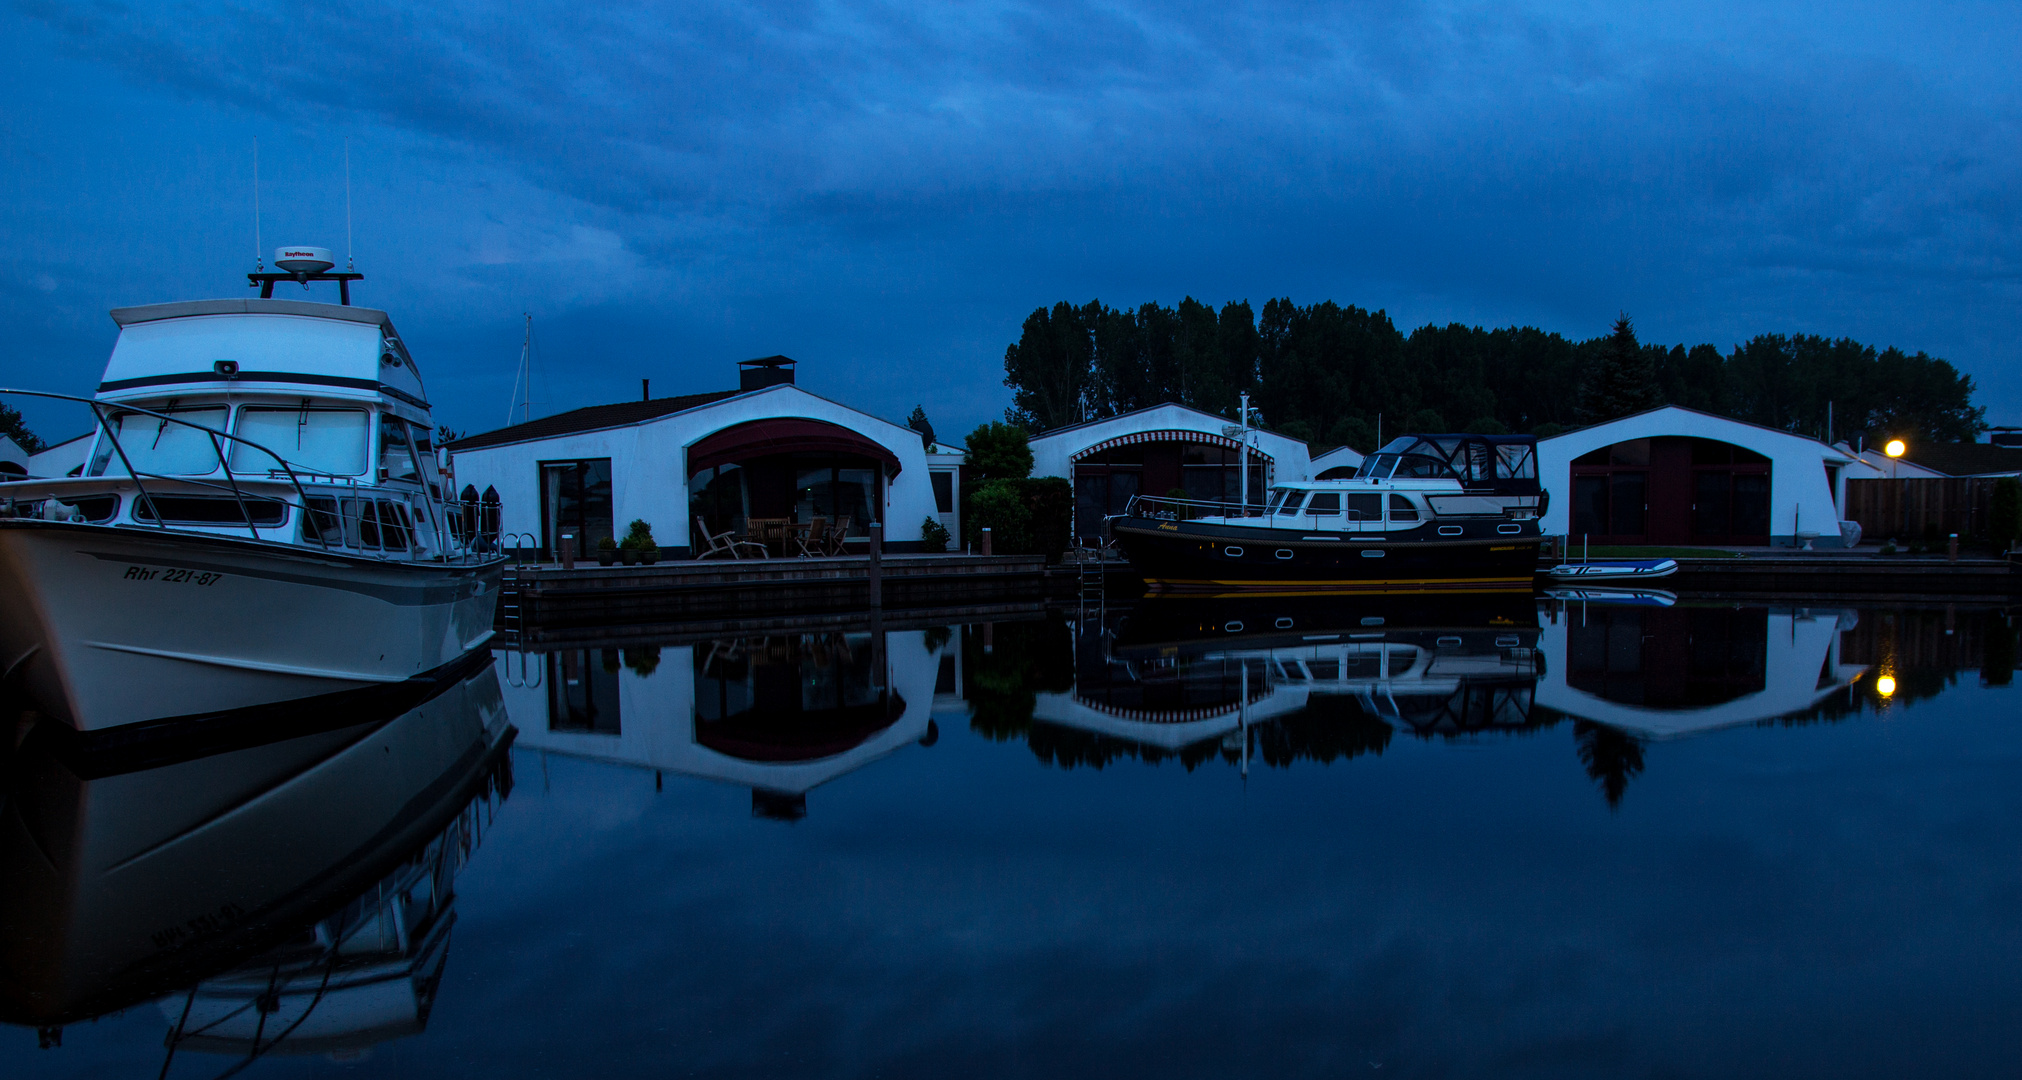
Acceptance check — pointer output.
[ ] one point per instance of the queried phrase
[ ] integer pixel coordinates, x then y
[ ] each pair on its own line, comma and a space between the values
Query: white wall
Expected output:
649, 464
58, 460
1797, 482
1053, 453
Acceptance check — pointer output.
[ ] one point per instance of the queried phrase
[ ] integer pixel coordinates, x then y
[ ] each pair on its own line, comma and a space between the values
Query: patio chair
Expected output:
813, 538
724, 543
837, 532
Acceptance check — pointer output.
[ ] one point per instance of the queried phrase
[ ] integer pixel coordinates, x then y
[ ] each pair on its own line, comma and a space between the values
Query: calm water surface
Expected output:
1530, 839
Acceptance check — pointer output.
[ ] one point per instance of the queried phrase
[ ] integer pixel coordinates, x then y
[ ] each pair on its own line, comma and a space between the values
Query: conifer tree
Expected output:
919, 422
1622, 380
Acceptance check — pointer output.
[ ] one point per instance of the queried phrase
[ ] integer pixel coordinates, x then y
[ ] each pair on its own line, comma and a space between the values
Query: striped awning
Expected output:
1171, 435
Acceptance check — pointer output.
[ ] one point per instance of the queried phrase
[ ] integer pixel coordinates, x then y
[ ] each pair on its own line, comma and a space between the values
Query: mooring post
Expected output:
986, 540
567, 555
877, 567
1952, 548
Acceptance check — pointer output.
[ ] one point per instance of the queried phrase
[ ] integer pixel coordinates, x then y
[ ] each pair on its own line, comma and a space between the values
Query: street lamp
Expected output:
1894, 450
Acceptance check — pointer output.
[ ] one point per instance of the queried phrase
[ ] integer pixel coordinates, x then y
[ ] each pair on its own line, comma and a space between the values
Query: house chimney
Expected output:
764, 371
645, 389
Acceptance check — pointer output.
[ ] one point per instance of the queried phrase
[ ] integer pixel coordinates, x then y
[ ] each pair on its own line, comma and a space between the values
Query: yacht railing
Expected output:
1167, 508
321, 522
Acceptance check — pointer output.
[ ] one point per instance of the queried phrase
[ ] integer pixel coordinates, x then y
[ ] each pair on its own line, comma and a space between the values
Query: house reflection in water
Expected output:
1665, 672
778, 714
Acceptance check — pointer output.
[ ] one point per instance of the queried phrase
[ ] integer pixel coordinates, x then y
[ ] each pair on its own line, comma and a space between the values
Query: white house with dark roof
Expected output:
1157, 450
1674, 475
767, 450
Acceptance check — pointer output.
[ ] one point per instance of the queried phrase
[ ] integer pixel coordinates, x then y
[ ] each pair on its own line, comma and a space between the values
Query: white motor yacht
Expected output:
261, 518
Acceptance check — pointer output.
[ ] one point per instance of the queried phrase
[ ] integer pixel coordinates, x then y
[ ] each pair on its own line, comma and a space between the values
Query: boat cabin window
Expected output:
1324, 502
1376, 467
396, 457
163, 447
1365, 507
1401, 509
1286, 501
326, 442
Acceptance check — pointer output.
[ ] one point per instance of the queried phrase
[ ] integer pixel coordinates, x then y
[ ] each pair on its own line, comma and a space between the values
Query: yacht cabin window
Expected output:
325, 442
1401, 509
163, 447
396, 457
1365, 507
1324, 502
1286, 501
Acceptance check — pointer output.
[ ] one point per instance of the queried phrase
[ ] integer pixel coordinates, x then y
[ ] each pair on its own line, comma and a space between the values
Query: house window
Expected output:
576, 498
944, 492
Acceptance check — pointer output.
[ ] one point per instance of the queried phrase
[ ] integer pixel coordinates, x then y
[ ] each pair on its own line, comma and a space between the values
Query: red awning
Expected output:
784, 435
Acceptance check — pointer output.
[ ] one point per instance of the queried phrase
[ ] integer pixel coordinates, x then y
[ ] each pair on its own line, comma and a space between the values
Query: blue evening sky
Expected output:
883, 191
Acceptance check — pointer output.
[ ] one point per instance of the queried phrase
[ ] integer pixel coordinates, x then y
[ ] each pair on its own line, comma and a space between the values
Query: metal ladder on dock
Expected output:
511, 585
1090, 592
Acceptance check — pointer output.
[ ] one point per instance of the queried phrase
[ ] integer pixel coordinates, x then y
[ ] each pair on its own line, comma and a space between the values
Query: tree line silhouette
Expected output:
1325, 372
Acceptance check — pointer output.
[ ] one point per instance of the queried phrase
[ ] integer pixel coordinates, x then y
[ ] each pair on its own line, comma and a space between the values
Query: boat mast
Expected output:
1243, 458
525, 372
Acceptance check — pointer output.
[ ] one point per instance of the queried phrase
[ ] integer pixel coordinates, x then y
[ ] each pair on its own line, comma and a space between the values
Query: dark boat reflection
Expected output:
280, 881
779, 713
1278, 679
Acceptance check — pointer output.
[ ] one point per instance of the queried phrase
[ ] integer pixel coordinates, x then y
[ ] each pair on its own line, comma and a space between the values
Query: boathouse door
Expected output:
1671, 490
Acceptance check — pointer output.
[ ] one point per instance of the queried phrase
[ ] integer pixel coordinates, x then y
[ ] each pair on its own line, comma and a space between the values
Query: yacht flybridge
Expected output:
261, 518
1426, 513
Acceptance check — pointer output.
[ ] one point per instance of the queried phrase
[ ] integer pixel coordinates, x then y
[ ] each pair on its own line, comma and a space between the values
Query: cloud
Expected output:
1721, 173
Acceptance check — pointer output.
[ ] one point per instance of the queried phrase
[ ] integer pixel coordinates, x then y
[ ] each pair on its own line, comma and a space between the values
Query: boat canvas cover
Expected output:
272, 341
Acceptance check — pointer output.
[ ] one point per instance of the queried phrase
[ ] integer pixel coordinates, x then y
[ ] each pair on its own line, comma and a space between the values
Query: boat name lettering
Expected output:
1168, 525
171, 575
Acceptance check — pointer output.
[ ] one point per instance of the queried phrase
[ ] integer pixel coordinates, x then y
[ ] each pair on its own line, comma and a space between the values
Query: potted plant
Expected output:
607, 551
638, 544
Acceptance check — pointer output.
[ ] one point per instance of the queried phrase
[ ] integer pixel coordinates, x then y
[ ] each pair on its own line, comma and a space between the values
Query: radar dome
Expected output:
303, 260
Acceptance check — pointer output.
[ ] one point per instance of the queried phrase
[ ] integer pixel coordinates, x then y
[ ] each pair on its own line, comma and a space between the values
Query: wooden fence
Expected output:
1912, 509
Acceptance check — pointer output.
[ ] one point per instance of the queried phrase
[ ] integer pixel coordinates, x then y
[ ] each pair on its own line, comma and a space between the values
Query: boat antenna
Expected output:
259, 255
348, 267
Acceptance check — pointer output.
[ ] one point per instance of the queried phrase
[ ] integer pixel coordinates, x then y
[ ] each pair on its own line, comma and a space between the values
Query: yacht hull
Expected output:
102, 627
1485, 555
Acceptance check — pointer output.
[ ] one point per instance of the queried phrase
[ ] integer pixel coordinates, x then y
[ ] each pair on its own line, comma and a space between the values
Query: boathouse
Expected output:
1161, 450
768, 450
1674, 475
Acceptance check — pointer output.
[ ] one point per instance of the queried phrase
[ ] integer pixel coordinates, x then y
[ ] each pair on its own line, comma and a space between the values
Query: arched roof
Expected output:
1166, 435
784, 435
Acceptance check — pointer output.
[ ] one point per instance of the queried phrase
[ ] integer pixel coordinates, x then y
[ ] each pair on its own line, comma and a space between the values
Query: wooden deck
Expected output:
550, 596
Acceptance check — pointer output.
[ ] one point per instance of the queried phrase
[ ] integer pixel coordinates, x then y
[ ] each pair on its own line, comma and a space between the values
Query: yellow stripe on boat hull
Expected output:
1372, 587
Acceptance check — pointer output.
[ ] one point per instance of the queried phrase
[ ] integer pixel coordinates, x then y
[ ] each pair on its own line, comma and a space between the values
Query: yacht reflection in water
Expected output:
1285, 679
278, 878
1321, 679
779, 714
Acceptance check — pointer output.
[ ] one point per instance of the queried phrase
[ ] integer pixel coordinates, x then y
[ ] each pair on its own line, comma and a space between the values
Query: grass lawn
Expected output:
1599, 552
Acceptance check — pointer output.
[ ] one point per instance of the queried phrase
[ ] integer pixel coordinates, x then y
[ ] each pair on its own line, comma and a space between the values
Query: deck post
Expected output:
986, 541
877, 568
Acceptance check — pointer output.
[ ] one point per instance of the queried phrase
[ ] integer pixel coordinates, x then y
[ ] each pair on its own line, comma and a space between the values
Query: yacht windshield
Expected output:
164, 447
1420, 467
328, 442
396, 459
